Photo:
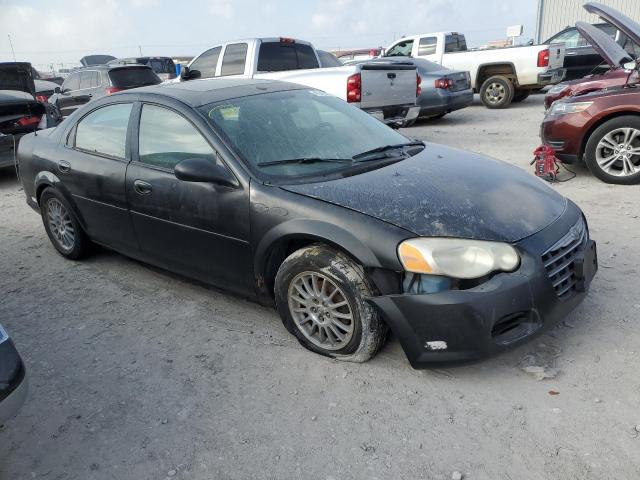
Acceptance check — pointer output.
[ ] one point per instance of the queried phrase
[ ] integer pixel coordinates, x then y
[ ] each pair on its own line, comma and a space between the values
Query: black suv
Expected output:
97, 81
163, 66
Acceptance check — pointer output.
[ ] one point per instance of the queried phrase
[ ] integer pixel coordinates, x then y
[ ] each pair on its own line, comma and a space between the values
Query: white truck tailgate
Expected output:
386, 84
556, 55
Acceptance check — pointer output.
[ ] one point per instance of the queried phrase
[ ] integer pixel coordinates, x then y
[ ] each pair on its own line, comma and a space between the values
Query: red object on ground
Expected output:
546, 163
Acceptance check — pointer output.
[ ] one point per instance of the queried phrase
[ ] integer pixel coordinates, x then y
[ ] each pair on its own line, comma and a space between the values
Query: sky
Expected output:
62, 31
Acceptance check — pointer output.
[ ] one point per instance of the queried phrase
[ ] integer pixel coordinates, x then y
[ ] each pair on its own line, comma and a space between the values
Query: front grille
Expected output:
559, 259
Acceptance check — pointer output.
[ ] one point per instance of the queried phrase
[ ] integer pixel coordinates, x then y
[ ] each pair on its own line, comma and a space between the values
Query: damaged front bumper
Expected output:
508, 310
395, 116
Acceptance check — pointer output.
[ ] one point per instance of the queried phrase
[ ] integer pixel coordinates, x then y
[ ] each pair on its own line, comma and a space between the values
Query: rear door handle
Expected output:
142, 187
64, 166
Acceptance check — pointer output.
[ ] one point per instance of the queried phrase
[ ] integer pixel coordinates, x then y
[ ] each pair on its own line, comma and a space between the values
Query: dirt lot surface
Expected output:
140, 374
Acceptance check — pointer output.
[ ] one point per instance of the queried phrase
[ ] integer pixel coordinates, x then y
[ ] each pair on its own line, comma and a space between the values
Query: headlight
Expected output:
559, 88
563, 108
457, 258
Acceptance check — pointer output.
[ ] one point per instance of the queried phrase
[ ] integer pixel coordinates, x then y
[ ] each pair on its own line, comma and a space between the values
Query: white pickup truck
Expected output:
499, 75
386, 91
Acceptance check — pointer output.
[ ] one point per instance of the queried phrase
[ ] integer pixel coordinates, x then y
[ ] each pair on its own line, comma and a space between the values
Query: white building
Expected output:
555, 15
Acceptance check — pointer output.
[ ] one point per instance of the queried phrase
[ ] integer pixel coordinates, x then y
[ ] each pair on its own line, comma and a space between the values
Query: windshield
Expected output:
272, 129
132, 77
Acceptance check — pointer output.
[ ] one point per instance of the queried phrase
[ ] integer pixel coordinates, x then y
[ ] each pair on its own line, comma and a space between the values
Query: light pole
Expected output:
11, 43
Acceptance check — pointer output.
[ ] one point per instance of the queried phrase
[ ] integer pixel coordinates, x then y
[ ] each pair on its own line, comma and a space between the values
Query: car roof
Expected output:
117, 66
202, 92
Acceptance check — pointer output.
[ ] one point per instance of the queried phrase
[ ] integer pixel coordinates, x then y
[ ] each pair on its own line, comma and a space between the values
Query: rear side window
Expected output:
279, 56
206, 63
234, 59
105, 130
455, 43
72, 82
427, 46
132, 77
166, 138
87, 79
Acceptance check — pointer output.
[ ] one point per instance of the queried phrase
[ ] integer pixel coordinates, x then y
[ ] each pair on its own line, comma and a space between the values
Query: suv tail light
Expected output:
418, 82
354, 88
444, 83
111, 90
543, 58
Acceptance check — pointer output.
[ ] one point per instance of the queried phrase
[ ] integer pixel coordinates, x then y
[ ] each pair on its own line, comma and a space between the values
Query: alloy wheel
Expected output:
495, 93
618, 152
60, 224
321, 311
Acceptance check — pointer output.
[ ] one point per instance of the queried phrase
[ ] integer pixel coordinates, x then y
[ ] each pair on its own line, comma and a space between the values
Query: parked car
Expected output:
93, 60
163, 66
616, 77
13, 378
94, 82
20, 112
442, 90
358, 55
293, 197
387, 92
600, 127
327, 59
51, 78
500, 75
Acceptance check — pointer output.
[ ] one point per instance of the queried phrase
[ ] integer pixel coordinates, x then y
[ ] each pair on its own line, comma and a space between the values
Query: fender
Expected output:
46, 179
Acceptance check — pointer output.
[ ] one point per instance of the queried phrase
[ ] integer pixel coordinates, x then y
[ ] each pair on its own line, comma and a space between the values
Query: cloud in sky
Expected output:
46, 32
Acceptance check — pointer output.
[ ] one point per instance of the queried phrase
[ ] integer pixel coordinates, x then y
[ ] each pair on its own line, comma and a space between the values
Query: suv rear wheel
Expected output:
320, 295
613, 151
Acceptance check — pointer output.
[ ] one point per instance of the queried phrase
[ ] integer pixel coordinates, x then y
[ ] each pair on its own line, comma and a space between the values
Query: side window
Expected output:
206, 63
402, 49
234, 59
95, 79
86, 79
427, 46
166, 138
105, 130
71, 83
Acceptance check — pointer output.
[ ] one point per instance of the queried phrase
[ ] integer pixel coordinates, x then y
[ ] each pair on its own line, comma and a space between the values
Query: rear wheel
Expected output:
613, 151
61, 225
497, 92
521, 95
320, 295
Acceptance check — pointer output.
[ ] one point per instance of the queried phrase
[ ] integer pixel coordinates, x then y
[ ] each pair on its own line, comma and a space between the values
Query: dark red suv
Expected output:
601, 127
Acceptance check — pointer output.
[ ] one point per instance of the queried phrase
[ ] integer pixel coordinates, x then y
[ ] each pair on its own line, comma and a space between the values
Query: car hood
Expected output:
445, 192
608, 48
623, 23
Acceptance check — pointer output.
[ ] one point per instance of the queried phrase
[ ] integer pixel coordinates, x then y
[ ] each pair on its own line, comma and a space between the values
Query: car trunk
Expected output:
385, 84
19, 110
461, 81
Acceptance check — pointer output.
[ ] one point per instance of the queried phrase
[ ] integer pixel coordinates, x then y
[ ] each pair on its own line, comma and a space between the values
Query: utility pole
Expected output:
11, 43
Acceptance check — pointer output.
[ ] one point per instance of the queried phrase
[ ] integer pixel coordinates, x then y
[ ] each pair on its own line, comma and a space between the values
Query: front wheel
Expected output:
320, 295
497, 92
613, 151
61, 225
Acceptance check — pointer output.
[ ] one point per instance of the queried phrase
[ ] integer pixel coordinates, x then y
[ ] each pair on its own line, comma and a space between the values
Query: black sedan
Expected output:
297, 199
13, 382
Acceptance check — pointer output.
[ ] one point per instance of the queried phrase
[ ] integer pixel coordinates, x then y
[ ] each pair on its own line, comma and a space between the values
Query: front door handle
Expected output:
142, 187
64, 166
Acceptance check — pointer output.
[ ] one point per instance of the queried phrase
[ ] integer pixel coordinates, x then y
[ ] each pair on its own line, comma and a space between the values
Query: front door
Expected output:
198, 229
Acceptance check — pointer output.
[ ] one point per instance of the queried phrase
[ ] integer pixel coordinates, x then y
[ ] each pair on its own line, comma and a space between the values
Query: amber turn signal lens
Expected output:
412, 259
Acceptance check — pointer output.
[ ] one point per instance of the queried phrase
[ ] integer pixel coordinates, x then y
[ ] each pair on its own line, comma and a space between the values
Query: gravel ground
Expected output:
137, 373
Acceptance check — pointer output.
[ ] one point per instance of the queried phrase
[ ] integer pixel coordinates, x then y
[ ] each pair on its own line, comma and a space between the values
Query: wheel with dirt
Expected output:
613, 151
497, 92
520, 95
320, 295
61, 225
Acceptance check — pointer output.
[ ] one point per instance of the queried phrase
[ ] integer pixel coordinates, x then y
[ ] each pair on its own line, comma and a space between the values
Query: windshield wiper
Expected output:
386, 148
305, 160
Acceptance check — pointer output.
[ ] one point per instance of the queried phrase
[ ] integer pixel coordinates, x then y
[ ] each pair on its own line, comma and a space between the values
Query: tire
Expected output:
330, 278
520, 95
61, 225
497, 92
597, 152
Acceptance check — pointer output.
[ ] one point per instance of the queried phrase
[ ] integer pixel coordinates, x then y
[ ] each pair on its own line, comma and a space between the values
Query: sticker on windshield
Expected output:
227, 112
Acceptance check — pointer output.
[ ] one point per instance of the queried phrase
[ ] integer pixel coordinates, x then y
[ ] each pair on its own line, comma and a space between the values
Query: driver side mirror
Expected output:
57, 90
187, 74
630, 66
203, 170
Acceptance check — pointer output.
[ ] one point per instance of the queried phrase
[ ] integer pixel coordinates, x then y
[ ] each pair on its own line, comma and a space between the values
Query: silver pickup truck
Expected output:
387, 91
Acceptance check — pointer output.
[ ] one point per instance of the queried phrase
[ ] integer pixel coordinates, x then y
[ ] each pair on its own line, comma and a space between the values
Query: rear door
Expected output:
234, 59
428, 49
385, 84
84, 94
94, 169
66, 100
198, 229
